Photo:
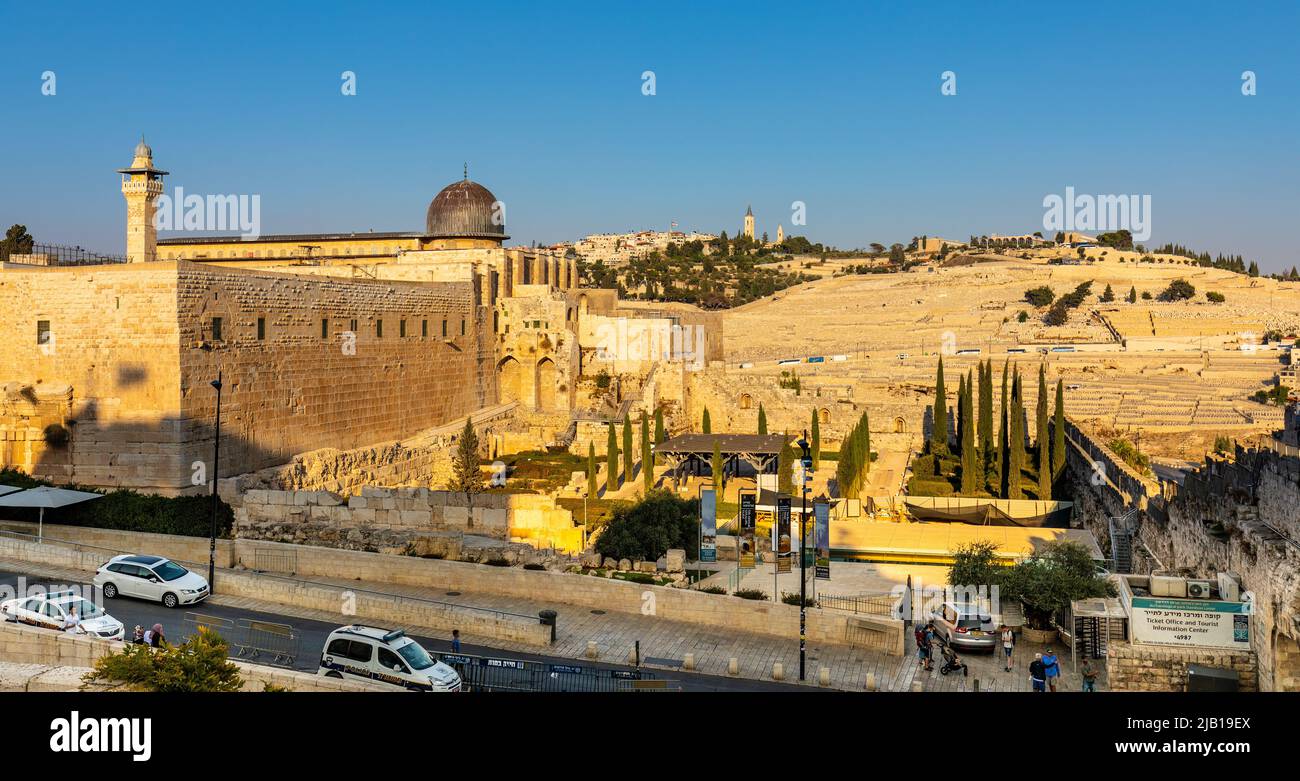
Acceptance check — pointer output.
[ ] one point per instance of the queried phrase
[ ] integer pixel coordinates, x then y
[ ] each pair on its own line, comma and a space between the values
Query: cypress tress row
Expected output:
855, 459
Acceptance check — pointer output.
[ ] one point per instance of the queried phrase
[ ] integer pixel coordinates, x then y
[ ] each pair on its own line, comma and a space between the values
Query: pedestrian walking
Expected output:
1052, 668
1008, 644
1038, 673
1089, 674
455, 641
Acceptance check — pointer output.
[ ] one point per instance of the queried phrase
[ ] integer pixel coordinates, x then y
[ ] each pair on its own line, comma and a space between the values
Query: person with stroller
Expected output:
952, 662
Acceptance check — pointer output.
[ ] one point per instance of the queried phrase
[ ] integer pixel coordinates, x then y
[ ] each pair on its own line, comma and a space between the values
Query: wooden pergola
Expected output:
688, 452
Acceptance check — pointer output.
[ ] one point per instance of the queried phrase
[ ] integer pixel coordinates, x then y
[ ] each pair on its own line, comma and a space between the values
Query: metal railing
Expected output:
489, 674
59, 255
865, 604
264, 642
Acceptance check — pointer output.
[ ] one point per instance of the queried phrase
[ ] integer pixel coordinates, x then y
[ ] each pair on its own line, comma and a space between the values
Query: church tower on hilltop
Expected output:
749, 222
141, 186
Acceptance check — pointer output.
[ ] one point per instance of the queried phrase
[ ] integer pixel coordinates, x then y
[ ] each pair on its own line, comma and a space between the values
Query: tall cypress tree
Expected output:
784, 464
1017, 428
705, 425
816, 440
986, 446
1044, 442
1004, 437
717, 468
969, 458
591, 470
647, 461
762, 420
1058, 432
627, 447
660, 433
939, 431
962, 423
611, 461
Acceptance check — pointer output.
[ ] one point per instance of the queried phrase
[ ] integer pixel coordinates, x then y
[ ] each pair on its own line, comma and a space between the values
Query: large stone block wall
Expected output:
1149, 668
133, 345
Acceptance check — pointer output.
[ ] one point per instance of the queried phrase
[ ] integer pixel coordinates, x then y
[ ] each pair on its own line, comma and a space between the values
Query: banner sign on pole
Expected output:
708, 525
822, 539
783, 534
748, 519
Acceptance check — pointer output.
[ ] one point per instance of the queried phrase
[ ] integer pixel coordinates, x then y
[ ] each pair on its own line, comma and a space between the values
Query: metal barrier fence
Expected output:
869, 604
284, 562
264, 642
489, 674
59, 255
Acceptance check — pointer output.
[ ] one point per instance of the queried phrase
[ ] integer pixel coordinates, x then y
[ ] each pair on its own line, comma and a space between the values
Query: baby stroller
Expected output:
952, 662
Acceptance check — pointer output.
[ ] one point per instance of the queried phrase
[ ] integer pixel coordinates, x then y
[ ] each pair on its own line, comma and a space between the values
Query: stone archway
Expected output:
510, 378
746, 401
900, 425
824, 415
547, 376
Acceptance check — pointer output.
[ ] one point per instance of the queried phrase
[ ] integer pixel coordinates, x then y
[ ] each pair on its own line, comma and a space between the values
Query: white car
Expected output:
52, 612
366, 653
153, 578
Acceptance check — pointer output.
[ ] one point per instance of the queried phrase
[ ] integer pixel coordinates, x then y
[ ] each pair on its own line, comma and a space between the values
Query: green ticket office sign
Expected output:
1202, 623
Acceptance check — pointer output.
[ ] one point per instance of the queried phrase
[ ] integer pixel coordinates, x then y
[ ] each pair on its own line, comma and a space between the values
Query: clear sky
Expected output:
835, 105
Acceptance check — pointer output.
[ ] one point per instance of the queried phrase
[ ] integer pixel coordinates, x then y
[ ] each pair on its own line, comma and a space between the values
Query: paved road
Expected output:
313, 633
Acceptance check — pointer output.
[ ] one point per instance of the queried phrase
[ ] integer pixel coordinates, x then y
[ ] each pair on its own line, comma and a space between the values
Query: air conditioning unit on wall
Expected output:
1168, 586
1198, 589
1229, 587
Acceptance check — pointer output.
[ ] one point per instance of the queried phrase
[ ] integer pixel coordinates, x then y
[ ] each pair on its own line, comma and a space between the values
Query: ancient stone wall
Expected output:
1148, 668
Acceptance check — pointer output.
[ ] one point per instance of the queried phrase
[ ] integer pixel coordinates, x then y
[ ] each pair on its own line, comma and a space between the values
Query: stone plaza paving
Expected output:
665, 643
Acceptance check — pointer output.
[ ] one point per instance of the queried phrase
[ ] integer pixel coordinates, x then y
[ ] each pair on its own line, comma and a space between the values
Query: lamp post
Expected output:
803, 559
216, 472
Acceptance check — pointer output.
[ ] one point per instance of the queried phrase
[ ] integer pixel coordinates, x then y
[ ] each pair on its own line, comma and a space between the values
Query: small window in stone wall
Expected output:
261, 328
424, 329
379, 329
401, 328
444, 328
216, 329
42, 332
324, 328
462, 326
352, 325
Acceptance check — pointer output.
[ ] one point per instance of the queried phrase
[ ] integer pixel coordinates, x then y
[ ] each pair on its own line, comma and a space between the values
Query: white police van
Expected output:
367, 653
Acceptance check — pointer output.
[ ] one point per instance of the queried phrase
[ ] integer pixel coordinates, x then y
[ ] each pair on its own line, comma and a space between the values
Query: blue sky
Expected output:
835, 105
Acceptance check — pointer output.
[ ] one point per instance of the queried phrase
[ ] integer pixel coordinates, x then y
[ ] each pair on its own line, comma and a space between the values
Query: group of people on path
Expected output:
1044, 670
925, 637
153, 637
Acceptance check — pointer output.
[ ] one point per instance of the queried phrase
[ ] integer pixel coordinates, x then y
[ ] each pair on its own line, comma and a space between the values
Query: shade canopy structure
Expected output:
46, 497
8, 489
759, 451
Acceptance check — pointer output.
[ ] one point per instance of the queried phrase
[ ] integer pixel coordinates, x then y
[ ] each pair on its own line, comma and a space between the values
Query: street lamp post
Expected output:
216, 472
803, 559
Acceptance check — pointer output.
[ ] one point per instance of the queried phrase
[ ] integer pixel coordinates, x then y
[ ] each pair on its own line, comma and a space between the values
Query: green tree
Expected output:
591, 470
1016, 458
762, 420
705, 425
628, 453
1042, 441
784, 464
644, 531
816, 440
1132, 295
660, 433
200, 664
1049, 580
1058, 432
467, 477
611, 461
1004, 437
939, 431
647, 464
986, 446
1108, 295
976, 564
971, 472
719, 481
17, 241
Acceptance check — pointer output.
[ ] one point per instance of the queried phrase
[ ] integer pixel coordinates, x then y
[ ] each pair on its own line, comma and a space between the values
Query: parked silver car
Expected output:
963, 625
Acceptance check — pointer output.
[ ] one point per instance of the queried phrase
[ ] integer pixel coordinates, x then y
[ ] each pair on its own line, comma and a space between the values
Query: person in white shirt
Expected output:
72, 622
1008, 644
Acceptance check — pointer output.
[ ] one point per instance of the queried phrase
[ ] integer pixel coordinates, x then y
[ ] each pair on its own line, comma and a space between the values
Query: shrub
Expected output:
1129, 454
1022, 317
751, 593
1040, 296
535, 567
637, 577
793, 599
1056, 574
497, 562
603, 380
1146, 295
646, 530
127, 510
1214, 297
200, 664
918, 487
712, 590
1178, 290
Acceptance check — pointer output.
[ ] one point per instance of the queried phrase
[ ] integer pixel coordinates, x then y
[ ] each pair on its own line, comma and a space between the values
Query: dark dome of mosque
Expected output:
465, 209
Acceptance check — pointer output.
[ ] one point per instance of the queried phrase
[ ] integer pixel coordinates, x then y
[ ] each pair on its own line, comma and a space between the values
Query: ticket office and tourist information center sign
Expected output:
1191, 622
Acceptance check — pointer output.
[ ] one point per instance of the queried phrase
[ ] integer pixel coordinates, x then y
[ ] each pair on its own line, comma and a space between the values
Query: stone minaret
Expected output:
749, 222
141, 185
780, 234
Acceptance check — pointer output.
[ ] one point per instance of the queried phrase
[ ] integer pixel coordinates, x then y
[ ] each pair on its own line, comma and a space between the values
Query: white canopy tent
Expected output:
44, 497
8, 489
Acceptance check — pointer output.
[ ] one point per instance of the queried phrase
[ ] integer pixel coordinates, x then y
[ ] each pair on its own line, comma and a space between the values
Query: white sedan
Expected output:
64, 611
153, 578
